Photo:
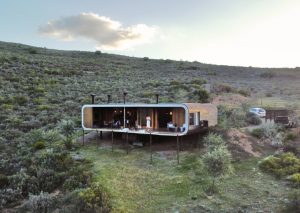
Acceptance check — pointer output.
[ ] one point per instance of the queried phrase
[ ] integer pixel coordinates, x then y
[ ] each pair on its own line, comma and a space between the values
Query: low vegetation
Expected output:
217, 158
42, 168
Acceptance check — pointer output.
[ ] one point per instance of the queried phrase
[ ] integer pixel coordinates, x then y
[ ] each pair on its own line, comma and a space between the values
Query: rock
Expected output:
139, 144
77, 158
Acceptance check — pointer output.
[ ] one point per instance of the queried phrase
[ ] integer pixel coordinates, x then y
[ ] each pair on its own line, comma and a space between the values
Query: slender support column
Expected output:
150, 147
180, 143
177, 149
97, 139
83, 137
101, 135
112, 141
127, 144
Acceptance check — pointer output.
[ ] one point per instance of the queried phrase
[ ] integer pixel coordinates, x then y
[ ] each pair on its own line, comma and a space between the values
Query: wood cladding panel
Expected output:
88, 117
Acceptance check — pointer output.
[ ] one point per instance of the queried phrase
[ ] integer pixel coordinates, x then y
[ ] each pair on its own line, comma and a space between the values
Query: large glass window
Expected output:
192, 118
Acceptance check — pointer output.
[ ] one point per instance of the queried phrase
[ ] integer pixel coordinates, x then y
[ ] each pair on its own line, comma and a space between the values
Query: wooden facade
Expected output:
159, 119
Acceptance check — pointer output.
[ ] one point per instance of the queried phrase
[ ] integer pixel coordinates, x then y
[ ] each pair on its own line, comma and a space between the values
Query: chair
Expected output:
170, 127
183, 127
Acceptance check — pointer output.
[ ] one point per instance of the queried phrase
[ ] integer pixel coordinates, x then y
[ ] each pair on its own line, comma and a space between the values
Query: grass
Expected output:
39, 87
135, 185
278, 102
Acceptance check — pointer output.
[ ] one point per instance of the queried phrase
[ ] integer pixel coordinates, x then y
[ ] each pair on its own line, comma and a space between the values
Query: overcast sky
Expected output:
262, 33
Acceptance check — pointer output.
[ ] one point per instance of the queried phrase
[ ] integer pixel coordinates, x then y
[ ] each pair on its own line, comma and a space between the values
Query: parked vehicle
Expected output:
258, 111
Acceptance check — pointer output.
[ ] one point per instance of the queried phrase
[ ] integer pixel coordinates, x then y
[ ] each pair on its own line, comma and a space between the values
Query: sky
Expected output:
260, 33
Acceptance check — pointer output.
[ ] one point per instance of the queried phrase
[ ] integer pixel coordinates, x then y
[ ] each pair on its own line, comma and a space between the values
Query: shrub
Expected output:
66, 127
98, 52
294, 204
34, 136
202, 95
218, 163
274, 133
52, 136
32, 51
48, 179
213, 140
237, 118
291, 146
198, 81
39, 145
253, 119
20, 181
43, 107
269, 94
3, 181
58, 161
258, 133
296, 179
267, 74
20, 99
96, 197
244, 92
10, 196
285, 164
39, 203
290, 137
223, 88
217, 158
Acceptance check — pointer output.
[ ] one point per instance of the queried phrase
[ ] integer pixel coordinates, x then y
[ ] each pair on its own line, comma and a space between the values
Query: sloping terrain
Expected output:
39, 87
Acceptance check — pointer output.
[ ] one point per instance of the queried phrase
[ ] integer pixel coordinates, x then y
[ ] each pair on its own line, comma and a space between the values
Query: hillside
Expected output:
39, 87
60, 81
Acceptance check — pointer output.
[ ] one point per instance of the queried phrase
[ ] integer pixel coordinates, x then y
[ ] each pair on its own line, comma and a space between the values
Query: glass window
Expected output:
198, 117
192, 118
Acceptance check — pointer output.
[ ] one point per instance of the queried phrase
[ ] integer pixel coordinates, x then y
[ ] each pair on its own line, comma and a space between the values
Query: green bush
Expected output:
201, 95
258, 133
95, 197
3, 181
49, 180
39, 203
290, 136
296, 179
213, 140
282, 165
98, 52
39, 145
224, 88
243, 92
198, 81
294, 202
291, 146
217, 159
20, 100
231, 117
267, 74
32, 51
43, 107
253, 119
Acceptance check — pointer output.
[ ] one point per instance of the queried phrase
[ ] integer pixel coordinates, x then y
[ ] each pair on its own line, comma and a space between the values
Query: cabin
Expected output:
164, 119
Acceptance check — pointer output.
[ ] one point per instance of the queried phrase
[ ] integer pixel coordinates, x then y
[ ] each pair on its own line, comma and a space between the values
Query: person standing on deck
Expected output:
148, 121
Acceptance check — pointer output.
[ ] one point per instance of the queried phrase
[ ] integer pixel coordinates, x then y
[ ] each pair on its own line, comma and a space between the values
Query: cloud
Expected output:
107, 33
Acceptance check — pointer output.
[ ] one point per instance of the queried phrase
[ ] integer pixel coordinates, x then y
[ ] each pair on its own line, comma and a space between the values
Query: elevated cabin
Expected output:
160, 119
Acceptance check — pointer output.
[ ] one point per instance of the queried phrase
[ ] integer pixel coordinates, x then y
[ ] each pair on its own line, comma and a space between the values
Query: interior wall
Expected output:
88, 117
178, 116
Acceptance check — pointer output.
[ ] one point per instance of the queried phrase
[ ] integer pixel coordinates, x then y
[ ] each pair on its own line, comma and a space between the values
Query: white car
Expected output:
258, 111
